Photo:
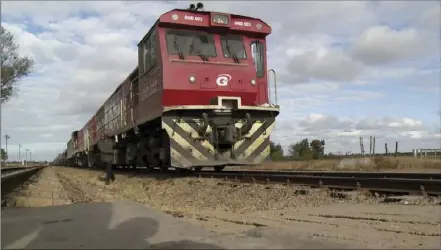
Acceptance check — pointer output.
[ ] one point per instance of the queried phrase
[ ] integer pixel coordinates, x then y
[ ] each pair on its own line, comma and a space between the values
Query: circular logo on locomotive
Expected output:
223, 79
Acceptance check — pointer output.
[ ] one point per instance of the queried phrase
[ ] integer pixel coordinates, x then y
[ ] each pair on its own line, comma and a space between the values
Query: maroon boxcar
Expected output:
199, 96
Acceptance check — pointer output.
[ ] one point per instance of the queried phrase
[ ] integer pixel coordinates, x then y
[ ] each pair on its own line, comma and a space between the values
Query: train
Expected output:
200, 96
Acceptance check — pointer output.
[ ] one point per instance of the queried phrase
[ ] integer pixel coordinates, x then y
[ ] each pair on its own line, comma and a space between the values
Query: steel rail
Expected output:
355, 174
396, 185
12, 169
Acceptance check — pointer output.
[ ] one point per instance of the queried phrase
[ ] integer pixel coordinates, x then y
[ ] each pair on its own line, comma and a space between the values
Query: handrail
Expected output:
275, 86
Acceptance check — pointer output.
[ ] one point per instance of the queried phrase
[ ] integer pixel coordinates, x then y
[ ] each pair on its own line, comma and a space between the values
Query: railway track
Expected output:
354, 174
381, 182
409, 183
11, 178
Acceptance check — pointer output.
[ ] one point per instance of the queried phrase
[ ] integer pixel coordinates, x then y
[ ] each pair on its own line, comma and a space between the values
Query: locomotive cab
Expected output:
210, 54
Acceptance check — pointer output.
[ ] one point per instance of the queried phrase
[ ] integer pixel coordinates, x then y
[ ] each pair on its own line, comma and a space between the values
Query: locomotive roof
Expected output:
202, 12
209, 12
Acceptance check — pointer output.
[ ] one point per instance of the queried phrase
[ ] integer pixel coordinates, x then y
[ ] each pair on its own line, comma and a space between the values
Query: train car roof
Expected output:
129, 77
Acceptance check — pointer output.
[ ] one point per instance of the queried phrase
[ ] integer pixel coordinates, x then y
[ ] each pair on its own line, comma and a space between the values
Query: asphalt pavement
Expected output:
128, 225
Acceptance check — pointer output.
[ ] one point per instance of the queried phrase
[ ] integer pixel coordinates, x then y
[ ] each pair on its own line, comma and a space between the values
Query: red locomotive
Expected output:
199, 97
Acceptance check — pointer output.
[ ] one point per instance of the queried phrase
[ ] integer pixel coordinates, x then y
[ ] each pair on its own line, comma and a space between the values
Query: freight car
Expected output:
61, 159
199, 97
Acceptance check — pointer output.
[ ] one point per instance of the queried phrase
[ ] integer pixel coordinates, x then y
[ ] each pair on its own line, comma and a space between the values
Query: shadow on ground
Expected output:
89, 226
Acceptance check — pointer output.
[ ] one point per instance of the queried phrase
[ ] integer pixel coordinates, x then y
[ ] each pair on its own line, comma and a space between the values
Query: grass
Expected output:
378, 163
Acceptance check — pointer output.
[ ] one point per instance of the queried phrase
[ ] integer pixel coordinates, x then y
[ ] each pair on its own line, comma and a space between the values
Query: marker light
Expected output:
192, 79
253, 82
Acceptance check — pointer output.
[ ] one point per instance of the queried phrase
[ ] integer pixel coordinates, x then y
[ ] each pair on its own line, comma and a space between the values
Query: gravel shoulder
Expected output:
271, 211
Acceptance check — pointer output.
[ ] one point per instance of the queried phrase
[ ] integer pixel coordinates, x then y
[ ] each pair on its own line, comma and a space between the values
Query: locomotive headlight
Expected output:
253, 82
192, 79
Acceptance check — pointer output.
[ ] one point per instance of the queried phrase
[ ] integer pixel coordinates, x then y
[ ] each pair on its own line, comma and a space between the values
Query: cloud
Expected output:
323, 64
382, 44
390, 123
317, 122
430, 18
345, 69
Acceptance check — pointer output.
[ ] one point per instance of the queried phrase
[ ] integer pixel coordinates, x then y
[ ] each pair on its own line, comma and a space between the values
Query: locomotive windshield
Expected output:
184, 43
232, 46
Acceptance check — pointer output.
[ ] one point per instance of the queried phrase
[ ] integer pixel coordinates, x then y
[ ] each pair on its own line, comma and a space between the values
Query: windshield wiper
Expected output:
233, 55
180, 54
201, 53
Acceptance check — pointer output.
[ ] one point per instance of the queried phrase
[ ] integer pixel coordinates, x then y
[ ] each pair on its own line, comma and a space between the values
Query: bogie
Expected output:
219, 168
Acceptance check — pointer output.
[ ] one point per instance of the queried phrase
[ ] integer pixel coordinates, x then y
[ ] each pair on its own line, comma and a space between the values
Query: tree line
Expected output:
314, 150
301, 150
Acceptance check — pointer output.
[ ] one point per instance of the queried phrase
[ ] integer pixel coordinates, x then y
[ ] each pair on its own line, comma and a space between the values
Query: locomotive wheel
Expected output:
149, 168
182, 170
91, 159
164, 152
219, 168
163, 167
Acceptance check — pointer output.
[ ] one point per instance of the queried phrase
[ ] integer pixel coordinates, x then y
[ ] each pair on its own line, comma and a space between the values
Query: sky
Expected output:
345, 68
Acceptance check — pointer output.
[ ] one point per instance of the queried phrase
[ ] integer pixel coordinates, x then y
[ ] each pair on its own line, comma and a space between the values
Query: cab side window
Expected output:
147, 53
257, 52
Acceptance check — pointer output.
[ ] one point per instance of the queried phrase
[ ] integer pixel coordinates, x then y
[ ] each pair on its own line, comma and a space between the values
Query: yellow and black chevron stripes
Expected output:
254, 146
188, 149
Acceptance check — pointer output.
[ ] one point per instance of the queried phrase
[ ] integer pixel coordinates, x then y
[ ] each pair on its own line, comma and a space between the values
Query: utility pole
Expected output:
370, 146
7, 137
373, 147
385, 147
26, 158
396, 148
361, 146
19, 152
